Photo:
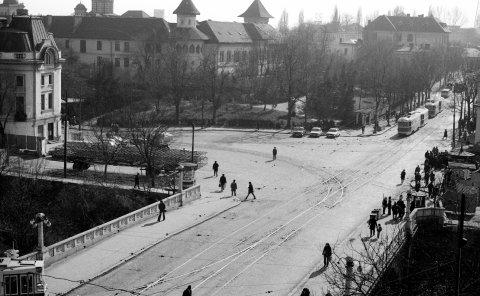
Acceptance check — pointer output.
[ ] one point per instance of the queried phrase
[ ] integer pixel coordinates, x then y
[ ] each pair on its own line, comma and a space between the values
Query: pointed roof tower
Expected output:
256, 13
186, 8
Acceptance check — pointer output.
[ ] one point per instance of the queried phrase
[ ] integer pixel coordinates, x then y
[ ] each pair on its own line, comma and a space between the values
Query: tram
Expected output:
409, 124
434, 107
445, 93
22, 277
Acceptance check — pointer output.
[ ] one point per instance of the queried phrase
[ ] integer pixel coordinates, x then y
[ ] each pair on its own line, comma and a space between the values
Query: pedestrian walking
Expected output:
250, 191
305, 292
274, 153
188, 291
379, 229
233, 187
389, 205
402, 176
445, 135
137, 181
162, 210
384, 204
327, 254
372, 223
223, 181
401, 208
215, 169
363, 129
432, 177
395, 211
417, 170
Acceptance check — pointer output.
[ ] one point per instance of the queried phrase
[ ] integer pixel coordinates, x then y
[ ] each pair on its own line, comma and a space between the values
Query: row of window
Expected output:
20, 80
237, 56
83, 45
186, 49
24, 287
117, 62
48, 77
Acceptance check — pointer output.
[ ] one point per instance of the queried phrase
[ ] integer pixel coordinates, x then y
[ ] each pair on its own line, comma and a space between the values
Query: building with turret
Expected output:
32, 62
256, 13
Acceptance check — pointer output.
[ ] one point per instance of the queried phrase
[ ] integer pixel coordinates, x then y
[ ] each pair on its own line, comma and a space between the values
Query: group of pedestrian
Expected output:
398, 209
435, 159
387, 204
373, 225
233, 186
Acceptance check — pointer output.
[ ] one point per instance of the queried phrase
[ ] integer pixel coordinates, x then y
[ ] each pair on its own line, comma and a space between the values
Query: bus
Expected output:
445, 93
409, 124
22, 277
434, 107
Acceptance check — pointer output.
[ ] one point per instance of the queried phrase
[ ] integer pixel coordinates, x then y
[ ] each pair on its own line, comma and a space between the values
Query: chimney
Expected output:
22, 11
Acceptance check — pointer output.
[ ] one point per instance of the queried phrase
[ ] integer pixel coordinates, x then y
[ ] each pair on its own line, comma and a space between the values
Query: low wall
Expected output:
69, 246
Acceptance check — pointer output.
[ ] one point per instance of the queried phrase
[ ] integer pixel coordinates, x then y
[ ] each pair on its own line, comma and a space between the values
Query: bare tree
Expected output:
301, 18
452, 16
283, 23
359, 19
7, 102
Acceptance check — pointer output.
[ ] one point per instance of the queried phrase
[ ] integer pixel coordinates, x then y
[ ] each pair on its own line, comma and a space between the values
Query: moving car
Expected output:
333, 133
298, 132
315, 132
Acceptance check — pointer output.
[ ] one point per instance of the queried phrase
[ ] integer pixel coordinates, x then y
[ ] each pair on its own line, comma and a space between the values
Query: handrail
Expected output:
78, 242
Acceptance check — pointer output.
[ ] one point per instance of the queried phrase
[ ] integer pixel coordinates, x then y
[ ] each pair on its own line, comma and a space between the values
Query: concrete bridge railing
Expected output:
71, 245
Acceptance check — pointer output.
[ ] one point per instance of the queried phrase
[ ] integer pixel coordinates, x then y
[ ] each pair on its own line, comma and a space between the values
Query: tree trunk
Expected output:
177, 111
105, 173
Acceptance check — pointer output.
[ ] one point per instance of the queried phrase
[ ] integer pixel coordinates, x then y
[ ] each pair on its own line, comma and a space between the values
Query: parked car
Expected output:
333, 133
298, 132
315, 132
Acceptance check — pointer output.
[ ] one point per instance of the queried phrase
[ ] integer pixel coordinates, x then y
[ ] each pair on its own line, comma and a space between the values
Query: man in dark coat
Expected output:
401, 208
250, 191
233, 187
417, 170
327, 254
384, 204
402, 176
274, 153
389, 205
223, 182
305, 292
137, 181
372, 223
395, 210
161, 209
188, 291
215, 169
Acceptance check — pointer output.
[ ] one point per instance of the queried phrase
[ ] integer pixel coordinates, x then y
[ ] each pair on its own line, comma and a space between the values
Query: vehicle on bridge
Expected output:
434, 107
22, 277
411, 123
445, 93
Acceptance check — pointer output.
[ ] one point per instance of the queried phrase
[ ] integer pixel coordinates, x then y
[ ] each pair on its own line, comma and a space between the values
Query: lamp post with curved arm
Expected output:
38, 222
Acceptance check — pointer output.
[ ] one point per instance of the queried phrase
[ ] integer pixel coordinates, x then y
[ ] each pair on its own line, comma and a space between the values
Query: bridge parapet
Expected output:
71, 245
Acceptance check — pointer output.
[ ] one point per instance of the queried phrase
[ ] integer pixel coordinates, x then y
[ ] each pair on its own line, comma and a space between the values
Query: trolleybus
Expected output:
21, 277
434, 107
409, 124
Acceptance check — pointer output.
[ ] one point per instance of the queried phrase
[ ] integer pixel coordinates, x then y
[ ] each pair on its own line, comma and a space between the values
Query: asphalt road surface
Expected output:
318, 190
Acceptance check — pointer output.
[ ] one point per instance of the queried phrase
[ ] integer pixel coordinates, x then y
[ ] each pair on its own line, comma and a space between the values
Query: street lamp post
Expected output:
38, 222
193, 138
65, 137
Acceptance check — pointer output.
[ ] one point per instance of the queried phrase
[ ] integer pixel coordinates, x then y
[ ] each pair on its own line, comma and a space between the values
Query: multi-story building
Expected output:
10, 7
418, 32
30, 56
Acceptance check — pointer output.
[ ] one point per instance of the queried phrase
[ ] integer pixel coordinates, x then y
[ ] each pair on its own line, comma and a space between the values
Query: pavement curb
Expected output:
148, 247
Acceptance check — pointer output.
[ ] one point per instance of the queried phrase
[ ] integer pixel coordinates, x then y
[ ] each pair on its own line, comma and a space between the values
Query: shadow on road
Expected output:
150, 224
209, 177
269, 161
396, 137
318, 272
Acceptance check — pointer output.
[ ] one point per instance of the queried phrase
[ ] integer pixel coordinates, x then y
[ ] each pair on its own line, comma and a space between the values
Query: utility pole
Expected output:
193, 138
461, 243
65, 137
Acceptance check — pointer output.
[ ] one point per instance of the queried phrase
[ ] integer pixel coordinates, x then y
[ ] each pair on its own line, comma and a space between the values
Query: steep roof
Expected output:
186, 33
14, 41
406, 24
109, 28
231, 32
34, 28
256, 9
136, 13
186, 8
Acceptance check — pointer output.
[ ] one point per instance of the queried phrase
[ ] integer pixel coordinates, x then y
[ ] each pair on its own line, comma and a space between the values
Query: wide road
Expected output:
317, 191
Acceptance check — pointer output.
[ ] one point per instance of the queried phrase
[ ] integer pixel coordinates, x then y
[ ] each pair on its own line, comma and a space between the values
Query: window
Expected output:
229, 56
67, 43
42, 102
99, 45
126, 47
50, 101
185, 48
48, 58
427, 46
11, 285
117, 62
20, 81
409, 37
20, 104
43, 80
198, 49
26, 284
222, 56
192, 49
83, 46
40, 131
117, 46
50, 79
126, 62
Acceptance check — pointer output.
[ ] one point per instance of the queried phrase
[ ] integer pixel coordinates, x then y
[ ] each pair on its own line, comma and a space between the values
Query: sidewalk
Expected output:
65, 275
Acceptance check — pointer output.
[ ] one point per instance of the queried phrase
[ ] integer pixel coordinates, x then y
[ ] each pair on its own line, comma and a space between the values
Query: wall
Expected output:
90, 237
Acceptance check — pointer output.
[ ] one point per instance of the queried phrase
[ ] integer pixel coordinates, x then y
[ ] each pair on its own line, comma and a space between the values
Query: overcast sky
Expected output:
228, 10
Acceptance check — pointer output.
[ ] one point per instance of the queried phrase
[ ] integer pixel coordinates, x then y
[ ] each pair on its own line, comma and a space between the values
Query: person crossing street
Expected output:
250, 191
